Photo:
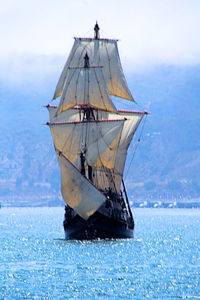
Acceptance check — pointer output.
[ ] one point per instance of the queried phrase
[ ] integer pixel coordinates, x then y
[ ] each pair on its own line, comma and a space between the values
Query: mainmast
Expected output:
87, 111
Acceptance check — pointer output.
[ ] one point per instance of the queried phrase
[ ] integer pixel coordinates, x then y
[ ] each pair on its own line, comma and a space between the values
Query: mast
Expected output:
82, 158
87, 110
87, 115
86, 61
96, 31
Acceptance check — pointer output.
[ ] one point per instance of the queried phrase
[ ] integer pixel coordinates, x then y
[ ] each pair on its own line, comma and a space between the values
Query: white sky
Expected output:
150, 31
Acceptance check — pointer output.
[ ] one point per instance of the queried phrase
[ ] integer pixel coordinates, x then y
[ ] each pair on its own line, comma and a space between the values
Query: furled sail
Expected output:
97, 139
77, 191
102, 52
85, 87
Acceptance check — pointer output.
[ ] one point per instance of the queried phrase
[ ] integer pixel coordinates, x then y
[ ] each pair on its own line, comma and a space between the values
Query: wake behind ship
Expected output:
91, 138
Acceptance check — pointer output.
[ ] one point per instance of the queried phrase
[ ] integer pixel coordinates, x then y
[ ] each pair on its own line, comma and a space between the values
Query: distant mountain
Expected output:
166, 165
168, 161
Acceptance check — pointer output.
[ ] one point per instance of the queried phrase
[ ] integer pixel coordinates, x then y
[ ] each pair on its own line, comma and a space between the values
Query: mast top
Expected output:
86, 61
96, 31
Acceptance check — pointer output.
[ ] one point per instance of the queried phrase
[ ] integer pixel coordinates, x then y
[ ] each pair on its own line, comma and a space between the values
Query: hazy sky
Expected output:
150, 31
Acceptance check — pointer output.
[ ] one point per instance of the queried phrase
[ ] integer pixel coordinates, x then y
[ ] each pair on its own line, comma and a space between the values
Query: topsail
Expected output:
85, 86
103, 53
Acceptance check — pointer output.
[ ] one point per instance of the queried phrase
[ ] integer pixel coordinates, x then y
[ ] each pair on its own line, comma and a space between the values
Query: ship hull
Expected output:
98, 226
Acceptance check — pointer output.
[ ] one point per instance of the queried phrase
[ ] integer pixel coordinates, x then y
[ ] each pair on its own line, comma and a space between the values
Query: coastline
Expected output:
56, 201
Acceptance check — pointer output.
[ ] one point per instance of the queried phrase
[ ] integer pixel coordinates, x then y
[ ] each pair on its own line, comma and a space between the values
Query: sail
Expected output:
85, 87
101, 52
133, 120
97, 139
130, 127
70, 115
77, 191
104, 178
113, 177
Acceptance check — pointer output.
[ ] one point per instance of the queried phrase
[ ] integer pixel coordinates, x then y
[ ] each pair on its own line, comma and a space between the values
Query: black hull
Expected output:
98, 226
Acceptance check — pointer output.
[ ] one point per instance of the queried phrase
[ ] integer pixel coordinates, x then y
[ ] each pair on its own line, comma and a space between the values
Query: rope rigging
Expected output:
138, 141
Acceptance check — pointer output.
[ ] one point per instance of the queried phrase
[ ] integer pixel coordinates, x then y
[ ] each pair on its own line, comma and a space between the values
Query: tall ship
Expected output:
91, 138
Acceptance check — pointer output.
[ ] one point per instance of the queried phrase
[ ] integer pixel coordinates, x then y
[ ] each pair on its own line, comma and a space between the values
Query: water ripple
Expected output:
162, 262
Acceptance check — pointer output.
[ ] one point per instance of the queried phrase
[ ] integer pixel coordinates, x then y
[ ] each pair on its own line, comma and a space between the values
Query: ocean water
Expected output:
161, 262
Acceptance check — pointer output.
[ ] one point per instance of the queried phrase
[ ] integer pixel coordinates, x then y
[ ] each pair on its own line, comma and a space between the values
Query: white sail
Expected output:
97, 139
102, 149
77, 191
101, 52
85, 87
133, 120
114, 179
130, 127
71, 115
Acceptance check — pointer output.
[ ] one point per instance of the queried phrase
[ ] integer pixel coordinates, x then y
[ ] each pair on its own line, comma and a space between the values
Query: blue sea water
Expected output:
161, 262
